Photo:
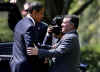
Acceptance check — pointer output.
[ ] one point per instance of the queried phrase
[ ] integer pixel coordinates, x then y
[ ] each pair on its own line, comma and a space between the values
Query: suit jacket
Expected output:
67, 53
26, 34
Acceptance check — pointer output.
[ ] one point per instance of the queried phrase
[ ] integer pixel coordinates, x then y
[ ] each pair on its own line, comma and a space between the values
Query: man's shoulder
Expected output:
23, 25
70, 35
27, 20
44, 24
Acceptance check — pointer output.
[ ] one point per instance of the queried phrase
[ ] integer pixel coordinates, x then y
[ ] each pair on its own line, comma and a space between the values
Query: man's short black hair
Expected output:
35, 6
74, 20
57, 20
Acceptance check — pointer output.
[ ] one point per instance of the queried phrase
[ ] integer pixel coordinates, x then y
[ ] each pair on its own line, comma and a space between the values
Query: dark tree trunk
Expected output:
82, 8
61, 7
20, 4
54, 7
66, 7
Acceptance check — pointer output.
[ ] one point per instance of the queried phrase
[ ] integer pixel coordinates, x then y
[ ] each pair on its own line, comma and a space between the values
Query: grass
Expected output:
6, 34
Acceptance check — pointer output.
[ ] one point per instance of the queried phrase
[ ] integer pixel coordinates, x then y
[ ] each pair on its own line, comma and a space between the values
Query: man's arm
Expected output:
64, 47
29, 38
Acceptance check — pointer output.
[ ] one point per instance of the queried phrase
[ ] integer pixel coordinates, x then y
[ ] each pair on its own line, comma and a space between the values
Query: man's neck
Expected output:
70, 31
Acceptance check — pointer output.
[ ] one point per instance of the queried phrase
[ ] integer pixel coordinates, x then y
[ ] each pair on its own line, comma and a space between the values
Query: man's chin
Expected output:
63, 31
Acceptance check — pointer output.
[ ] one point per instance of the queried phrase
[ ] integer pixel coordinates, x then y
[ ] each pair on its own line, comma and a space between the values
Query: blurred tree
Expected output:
61, 7
90, 26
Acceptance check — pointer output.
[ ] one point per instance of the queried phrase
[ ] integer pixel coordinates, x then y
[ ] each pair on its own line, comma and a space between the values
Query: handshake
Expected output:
35, 50
32, 51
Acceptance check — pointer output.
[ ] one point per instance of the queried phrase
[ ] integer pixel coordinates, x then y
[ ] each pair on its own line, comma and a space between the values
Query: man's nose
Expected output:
62, 25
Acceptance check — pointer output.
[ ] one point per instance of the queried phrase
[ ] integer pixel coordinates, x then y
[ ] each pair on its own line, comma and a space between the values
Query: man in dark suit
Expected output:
67, 50
28, 31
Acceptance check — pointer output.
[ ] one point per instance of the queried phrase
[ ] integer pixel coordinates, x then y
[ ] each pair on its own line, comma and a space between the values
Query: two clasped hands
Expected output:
35, 50
32, 51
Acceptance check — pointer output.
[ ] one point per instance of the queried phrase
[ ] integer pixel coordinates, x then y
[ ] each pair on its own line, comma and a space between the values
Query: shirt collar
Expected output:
28, 15
72, 31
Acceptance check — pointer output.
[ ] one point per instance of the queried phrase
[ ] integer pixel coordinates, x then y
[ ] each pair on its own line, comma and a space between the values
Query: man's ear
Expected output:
73, 27
34, 12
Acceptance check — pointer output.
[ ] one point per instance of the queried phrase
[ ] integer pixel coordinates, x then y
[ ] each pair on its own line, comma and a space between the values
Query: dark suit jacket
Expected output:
26, 34
67, 53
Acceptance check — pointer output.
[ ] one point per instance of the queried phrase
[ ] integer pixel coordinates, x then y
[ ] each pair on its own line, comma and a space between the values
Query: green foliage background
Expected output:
6, 34
89, 31
90, 55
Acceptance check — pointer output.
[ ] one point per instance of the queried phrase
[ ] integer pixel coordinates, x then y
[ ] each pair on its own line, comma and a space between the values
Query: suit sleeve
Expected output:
29, 37
64, 48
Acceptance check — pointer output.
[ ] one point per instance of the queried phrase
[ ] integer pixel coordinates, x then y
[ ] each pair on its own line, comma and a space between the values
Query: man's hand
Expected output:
50, 30
32, 51
54, 46
46, 60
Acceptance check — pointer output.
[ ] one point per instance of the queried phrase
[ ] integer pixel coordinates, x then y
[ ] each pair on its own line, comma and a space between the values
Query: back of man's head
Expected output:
26, 6
35, 6
74, 20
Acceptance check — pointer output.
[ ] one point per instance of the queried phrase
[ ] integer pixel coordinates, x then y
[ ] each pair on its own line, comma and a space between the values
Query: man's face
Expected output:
66, 25
38, 15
